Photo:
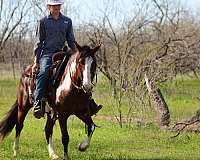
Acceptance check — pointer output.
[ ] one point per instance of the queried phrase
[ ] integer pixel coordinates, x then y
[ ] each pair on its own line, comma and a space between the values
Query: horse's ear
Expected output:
95, 49
78, 46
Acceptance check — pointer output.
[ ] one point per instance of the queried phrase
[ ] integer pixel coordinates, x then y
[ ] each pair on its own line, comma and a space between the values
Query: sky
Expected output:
195, 4
87, 10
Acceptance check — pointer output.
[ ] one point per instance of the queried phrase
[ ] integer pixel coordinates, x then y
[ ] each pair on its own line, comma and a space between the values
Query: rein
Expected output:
75, 85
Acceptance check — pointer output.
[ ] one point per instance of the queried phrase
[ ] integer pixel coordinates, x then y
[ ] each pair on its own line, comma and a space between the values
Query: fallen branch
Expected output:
180, 126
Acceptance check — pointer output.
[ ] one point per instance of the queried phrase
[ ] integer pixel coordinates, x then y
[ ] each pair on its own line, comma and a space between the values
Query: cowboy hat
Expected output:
55, 2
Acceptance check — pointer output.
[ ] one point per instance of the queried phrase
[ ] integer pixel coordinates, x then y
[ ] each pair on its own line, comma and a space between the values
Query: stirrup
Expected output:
39, 109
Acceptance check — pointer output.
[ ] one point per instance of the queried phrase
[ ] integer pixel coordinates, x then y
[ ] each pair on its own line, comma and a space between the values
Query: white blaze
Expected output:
86, 73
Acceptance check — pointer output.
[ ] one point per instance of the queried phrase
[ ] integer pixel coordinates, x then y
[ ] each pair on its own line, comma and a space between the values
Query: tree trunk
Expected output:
163, 115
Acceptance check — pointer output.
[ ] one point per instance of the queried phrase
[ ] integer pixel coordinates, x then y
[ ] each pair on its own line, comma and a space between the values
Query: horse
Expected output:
72, 97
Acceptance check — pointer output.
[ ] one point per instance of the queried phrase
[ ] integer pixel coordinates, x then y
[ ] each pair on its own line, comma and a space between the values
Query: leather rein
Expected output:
74, 84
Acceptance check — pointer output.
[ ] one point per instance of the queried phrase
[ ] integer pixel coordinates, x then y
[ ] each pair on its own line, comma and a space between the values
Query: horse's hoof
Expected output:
83, 146
53, 157
14, 157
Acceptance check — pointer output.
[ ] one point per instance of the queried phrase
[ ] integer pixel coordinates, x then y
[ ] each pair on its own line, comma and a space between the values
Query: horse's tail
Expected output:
9, 121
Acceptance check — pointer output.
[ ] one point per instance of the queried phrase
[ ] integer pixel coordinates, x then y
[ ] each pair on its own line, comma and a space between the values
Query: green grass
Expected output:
110, 142
182, 96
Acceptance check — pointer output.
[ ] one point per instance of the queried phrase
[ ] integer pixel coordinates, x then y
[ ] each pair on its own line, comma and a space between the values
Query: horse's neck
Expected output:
66, 82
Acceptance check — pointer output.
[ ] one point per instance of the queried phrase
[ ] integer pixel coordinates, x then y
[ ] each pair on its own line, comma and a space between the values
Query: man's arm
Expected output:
70, 36
40, 33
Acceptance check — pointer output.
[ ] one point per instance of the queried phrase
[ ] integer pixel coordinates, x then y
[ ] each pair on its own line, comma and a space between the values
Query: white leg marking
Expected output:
86, 73
66, 157
51, 151
65, 86
86, 142
16, 147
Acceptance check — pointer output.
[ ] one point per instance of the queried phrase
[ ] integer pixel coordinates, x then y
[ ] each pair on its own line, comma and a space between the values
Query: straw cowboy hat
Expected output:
55, 2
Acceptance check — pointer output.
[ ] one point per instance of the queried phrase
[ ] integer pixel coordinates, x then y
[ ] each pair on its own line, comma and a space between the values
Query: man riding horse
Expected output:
70, 92
52, 32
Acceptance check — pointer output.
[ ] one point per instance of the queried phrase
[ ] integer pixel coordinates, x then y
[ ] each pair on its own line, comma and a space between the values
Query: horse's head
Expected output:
85, 67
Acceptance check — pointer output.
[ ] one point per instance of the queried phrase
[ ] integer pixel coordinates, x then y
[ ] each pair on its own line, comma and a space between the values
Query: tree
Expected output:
160, 39
12, 14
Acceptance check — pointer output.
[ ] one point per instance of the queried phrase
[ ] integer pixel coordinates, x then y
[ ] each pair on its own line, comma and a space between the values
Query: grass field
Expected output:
110, 142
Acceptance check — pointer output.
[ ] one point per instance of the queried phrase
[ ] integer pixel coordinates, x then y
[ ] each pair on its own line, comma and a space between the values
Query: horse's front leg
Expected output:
49, 136
90, 127
65, 135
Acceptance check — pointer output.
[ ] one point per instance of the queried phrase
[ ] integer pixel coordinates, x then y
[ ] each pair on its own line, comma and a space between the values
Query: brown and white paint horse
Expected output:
73, 97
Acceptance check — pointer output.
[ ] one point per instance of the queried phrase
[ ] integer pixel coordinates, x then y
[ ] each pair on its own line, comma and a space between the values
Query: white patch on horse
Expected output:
16, 147
66, 84
86, 73
86, 142
51, 151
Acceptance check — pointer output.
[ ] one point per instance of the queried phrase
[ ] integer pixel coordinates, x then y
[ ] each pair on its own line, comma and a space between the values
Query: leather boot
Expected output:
93, 107
39, 109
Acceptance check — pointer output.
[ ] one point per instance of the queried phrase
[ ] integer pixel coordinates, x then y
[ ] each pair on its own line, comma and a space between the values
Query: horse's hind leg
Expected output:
90, 127
19, 126
49, 132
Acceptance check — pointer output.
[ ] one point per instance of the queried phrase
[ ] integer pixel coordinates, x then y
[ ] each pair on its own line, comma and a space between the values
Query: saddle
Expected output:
59, 61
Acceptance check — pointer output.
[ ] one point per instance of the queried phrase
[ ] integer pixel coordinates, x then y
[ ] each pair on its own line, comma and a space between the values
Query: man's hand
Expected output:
34, 68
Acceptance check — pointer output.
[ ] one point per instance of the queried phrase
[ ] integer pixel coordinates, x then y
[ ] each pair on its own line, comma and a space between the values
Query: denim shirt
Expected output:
52, 35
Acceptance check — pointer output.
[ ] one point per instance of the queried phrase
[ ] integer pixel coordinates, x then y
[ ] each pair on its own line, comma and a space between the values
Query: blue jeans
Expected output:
42, 79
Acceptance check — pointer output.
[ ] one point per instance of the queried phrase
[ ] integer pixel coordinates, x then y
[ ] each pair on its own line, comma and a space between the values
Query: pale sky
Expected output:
90, 9
192, 3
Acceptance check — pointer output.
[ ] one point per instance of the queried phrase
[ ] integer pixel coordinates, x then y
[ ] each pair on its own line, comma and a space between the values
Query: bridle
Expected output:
81, 87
